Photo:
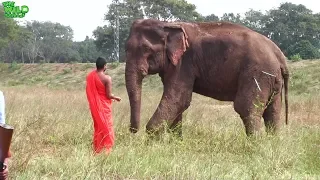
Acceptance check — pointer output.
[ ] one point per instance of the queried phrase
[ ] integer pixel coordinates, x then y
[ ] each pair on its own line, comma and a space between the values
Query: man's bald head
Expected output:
100, 63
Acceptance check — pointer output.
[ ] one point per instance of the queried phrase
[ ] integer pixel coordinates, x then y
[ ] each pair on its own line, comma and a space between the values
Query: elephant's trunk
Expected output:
133, 84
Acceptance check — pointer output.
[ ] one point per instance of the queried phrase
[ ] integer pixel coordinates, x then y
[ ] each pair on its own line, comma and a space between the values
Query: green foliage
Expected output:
293, 27
168, 10
230, 17
211, 17
66, 71
8, 29
255, 20
104, 38
295, 57
14, 66
305, 49
286, 25
14, 83
86, 51
53, 40
129, 10
43, 42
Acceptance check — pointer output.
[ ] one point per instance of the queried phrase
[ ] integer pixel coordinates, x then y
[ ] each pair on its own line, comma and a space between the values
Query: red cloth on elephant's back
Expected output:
100, 107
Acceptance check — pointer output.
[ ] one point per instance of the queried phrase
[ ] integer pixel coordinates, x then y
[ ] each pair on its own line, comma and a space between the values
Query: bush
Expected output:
305, 49
14, 66
295, 57
114, 65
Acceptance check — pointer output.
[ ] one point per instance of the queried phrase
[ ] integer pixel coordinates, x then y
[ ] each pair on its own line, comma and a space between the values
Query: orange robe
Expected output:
100, 107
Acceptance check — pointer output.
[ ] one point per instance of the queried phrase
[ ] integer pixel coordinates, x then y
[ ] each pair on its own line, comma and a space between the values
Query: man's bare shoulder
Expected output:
107, 78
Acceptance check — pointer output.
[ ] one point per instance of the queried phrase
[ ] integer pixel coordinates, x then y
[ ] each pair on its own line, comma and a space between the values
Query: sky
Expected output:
85, 16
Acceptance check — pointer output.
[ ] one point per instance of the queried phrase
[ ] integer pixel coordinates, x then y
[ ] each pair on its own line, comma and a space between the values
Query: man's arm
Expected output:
108, 84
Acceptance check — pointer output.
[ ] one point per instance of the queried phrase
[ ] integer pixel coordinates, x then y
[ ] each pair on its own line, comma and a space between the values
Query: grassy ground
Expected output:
46, 104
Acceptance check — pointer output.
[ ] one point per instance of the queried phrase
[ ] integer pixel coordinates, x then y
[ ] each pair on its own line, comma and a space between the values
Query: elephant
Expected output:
221, 60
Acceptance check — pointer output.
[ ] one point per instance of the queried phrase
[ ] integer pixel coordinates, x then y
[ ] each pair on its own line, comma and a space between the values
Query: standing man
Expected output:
98, 90
2, 109
3, 165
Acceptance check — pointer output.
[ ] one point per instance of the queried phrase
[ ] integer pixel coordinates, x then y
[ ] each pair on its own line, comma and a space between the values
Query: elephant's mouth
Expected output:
144, 72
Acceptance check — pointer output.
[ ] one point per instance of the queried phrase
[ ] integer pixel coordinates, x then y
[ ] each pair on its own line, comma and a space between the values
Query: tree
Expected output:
292, 23
16, 50
168, 10
51, 41
230, 17
104, 39
255, 20
87, 50
130, 10
294, 28
8, 28
305, 49
127, 11
211, 17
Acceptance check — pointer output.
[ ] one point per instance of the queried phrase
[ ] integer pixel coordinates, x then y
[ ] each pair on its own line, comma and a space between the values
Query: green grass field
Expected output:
46, 104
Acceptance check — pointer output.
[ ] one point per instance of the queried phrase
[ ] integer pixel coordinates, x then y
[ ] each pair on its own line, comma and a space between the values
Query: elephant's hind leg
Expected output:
250, 114
272, 114
250, 102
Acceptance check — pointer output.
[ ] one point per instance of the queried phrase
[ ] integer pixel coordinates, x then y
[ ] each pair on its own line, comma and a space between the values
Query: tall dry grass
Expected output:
53, 136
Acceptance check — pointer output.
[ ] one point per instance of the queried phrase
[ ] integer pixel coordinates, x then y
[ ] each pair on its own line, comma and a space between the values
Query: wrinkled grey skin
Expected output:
224, 61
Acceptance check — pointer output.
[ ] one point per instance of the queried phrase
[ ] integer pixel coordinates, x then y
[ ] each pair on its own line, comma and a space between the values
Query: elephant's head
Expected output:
151, 46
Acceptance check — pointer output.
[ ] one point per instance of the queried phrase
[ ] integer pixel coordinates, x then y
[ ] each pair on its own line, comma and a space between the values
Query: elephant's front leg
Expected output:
176, 127
169, 112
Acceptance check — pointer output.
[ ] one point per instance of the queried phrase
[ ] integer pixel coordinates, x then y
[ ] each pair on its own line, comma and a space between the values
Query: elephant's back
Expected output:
221, 26
263, 52
221, 58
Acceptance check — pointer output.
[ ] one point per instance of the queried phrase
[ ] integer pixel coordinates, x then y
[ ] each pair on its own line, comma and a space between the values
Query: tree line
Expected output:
293, 27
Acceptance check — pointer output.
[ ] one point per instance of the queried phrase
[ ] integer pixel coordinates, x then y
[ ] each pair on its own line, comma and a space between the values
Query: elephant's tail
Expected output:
285, 75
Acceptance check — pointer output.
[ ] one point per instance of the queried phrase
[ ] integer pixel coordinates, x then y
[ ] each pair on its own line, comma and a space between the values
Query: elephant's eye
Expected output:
146, 48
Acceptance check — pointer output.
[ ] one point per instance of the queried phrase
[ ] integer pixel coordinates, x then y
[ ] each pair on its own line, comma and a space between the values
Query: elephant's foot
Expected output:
271, 128
158, 134
154, 137
272, 125
176, 135
155, 134
271, 116
252, 125
175, 129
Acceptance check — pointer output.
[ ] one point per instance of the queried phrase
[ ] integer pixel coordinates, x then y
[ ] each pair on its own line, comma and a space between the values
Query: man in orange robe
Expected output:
98, 90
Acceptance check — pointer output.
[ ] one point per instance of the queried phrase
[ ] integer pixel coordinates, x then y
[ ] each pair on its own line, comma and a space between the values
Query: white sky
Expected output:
84, 16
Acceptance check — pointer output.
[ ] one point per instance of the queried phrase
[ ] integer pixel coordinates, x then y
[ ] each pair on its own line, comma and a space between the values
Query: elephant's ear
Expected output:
176, 42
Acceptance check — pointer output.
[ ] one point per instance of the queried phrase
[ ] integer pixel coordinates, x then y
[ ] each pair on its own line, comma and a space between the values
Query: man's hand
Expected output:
4, 174
117, 99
